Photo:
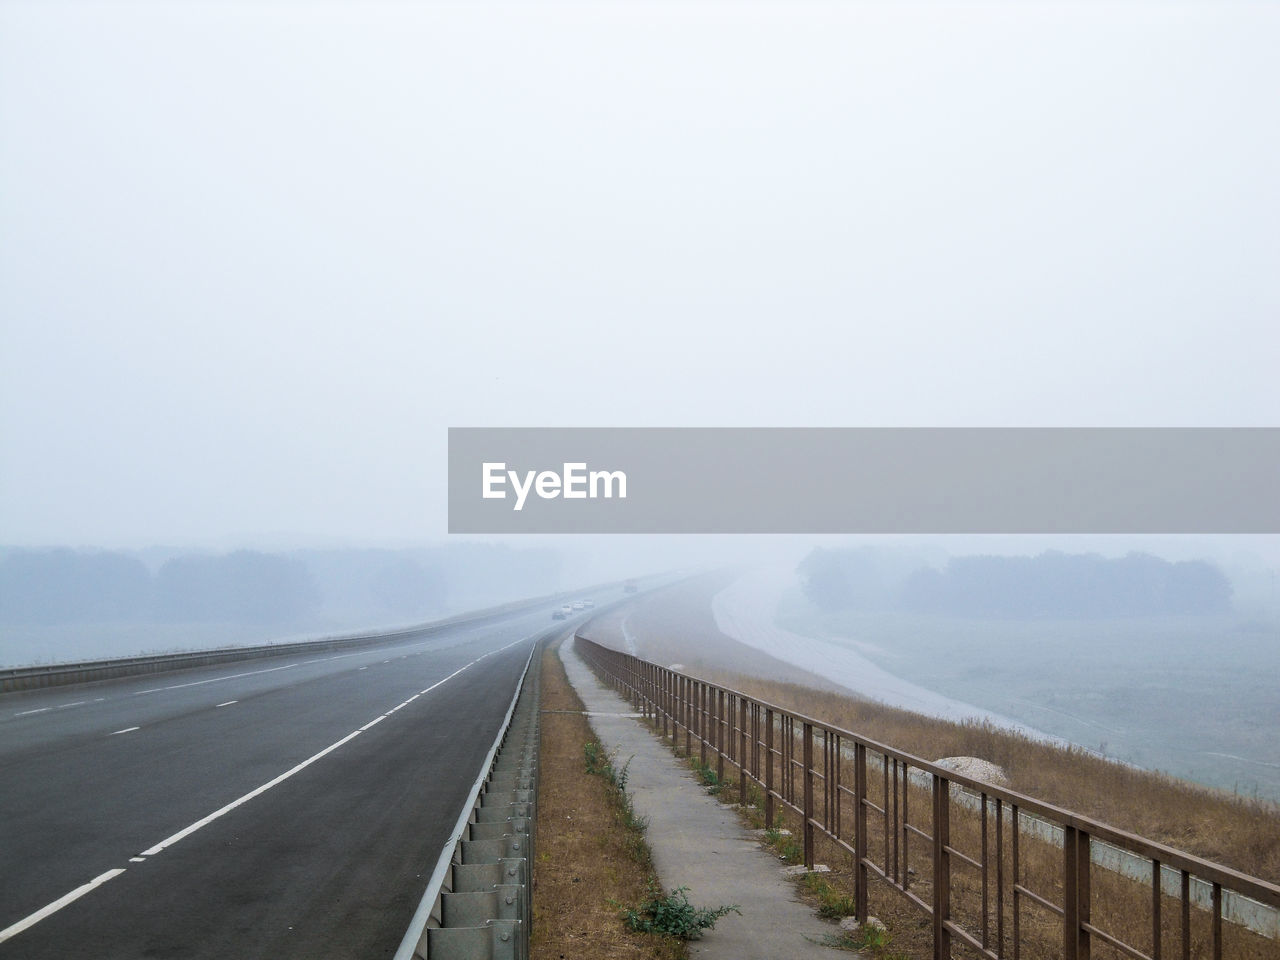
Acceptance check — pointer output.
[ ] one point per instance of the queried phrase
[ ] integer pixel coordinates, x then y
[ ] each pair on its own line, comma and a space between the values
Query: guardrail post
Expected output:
941, 867
808, 795
742, 751
1075, 893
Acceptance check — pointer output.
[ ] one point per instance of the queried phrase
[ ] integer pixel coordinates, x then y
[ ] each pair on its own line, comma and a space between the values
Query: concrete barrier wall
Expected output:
88, 671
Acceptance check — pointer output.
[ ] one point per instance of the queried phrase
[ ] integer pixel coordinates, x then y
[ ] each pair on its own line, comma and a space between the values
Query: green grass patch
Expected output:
673, 915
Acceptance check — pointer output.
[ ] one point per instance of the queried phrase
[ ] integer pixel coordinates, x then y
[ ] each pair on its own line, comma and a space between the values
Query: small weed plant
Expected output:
673, 915
790, 850
832, 904
871, 939
602, 764
707, 774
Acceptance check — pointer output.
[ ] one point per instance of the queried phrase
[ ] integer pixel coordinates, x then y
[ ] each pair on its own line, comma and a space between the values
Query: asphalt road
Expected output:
271, 808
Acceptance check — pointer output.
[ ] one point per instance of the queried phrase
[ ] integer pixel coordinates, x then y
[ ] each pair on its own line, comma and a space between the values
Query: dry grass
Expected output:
1121, 907
587, 856
675, 625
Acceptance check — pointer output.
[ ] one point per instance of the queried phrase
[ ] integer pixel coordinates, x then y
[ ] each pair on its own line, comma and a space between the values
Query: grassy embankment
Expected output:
591, 853
1241, 833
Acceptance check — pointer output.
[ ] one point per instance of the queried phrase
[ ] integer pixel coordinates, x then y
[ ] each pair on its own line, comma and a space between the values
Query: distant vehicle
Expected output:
579, 605
558, 613
630, 587
588, 603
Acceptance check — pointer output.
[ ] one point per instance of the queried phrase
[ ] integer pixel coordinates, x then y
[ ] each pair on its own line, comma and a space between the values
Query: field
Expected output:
676, 626
1195, 698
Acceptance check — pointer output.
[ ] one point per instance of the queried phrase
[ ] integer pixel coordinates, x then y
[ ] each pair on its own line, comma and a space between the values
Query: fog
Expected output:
257, 258
60, 604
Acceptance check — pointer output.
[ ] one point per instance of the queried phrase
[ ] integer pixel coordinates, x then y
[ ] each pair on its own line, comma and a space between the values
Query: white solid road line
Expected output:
80, 891
205, 821
125, 730
59, 706
197, 683
187, 831
74, 895
234, 676
228, 703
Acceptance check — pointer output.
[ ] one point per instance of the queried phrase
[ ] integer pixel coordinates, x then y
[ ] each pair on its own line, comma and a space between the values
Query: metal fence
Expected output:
995, 872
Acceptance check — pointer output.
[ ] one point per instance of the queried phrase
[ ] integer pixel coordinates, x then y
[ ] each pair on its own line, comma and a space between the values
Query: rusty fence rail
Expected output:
996, 873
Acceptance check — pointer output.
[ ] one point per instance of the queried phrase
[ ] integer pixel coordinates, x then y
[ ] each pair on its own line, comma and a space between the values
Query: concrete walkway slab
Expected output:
701, 844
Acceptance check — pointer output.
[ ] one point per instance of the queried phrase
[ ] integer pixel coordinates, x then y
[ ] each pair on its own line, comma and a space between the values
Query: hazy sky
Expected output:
255, 258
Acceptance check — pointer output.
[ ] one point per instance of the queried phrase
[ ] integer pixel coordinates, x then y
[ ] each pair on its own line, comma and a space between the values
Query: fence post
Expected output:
702, 723
1075, 893
941, 867
687, 708
742, 750
768, 768
860, 830
808, 795
668, 705
718, 699
650, 698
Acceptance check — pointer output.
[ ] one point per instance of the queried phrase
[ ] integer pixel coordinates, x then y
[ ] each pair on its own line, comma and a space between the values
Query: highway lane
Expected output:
337, 779
39, 719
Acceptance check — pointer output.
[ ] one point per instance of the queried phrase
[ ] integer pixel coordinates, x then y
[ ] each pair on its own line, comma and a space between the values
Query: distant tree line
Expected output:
66, 586
1051, 585
242, 587
302, 588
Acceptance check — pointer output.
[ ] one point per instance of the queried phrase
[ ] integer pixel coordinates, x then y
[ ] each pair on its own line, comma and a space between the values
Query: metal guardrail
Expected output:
59, 674
478, 902
893, 812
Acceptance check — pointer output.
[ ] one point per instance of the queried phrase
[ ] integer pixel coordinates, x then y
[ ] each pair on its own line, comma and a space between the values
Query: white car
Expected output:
579, 605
